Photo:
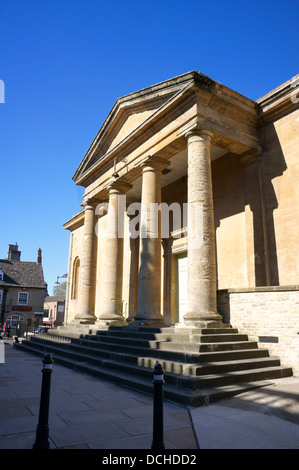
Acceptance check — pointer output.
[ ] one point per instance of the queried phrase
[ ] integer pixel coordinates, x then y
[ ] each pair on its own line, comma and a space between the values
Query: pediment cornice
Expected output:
137, 116
144, 103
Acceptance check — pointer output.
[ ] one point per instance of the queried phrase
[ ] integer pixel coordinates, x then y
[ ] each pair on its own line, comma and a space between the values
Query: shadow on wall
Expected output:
240, 181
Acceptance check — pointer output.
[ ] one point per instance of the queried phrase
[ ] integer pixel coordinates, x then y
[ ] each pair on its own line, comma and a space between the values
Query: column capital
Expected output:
89, 203
156, 163
198, 132
120, 187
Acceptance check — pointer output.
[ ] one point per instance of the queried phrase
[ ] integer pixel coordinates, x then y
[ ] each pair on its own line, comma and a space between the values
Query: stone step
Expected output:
203, 375
229, 360
213, 367
175, 337
185, 397
163, 341
183, 352
234, 377
214, 379
193, 360
84, 353
106, 349
168, 330
175, 342
207, 347
146, 332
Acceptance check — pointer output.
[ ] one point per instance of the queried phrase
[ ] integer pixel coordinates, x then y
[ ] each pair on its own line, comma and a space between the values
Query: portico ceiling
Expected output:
177, 169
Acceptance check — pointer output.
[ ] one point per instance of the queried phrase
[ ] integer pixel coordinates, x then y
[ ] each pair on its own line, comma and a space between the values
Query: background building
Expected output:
54, 309
22, 291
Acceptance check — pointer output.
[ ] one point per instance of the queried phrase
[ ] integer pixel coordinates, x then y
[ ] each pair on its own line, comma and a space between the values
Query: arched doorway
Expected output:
17, 324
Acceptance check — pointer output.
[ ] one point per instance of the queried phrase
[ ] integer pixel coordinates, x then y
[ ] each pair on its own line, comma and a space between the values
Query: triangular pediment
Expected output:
127, 115
130, 124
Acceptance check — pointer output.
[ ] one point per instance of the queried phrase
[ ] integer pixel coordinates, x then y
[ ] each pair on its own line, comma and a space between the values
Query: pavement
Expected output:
89, 413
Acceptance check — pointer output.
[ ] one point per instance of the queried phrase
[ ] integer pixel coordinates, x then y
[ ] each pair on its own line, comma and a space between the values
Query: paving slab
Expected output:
85, 412
264, 418
89, 413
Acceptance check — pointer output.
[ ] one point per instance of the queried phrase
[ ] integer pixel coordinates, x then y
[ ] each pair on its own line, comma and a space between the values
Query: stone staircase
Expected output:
201, 365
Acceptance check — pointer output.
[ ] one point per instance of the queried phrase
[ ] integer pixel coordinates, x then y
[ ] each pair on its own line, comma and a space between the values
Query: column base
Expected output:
201, 324
148, 323
103, 323
84, 319
203, 320
75, 329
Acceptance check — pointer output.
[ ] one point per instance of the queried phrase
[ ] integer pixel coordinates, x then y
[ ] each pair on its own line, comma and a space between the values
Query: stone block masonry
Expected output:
269, 315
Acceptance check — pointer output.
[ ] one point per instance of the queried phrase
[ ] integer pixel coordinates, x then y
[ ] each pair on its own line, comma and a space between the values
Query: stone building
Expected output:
22, 291
224, 247
54, 309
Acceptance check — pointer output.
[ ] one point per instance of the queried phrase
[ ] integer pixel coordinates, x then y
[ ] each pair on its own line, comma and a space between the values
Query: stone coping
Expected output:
258, 289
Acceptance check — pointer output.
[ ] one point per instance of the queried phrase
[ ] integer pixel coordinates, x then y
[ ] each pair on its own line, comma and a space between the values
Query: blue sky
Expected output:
65, 62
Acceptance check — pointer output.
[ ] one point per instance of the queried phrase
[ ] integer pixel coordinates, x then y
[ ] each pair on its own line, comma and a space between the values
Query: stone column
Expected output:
167, 258
86, 314
133, 284
111, 304
202, 294
149, 278
257, 243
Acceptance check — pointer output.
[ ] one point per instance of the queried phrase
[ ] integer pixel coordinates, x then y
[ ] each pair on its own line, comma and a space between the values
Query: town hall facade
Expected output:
190, 214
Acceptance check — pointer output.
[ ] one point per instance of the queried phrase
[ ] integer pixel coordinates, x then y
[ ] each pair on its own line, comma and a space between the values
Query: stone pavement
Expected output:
85, 412
88, 413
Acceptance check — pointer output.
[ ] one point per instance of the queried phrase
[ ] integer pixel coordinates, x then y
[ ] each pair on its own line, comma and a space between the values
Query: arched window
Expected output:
75, 278
13, 320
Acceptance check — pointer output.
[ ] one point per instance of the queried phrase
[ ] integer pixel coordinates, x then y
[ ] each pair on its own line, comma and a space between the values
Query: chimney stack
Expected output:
39, 256
13, 253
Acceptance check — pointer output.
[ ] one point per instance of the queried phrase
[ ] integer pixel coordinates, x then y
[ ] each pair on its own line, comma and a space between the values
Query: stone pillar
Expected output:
133, 284
167, 255
202, 294
85, 313
149, 278
111, 304
257, 243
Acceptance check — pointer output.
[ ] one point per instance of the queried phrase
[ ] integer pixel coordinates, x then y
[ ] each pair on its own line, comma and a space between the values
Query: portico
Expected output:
150, 142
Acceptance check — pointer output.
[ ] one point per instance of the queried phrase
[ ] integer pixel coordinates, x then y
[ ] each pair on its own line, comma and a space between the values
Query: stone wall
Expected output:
280, 175
75, 251
269, 315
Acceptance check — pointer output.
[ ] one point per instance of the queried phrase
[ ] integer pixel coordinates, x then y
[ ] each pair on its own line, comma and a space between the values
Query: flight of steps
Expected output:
200, 365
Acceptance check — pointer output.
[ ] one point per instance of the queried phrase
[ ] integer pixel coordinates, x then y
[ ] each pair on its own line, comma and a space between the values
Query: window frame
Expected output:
27, 298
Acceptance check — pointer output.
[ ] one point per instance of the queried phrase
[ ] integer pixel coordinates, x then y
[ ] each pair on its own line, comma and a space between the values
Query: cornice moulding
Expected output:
279, 101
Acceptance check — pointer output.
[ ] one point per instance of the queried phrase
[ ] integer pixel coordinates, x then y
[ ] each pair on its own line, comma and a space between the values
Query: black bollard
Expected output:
42, 431
158, 440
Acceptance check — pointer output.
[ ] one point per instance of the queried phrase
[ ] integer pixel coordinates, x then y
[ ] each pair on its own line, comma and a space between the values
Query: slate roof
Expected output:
22, 274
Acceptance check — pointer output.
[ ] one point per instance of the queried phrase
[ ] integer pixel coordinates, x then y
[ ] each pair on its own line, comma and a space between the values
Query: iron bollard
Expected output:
42, 431
158, 440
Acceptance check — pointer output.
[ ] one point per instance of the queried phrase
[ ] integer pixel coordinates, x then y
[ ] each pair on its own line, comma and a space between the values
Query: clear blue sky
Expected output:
65, 62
